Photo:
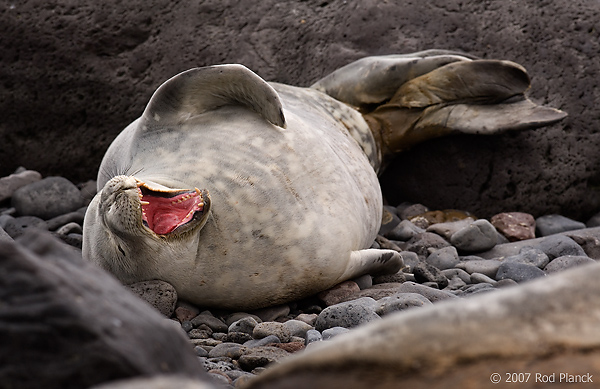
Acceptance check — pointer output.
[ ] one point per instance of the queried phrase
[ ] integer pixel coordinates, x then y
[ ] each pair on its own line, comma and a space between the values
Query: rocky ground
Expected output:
447, 255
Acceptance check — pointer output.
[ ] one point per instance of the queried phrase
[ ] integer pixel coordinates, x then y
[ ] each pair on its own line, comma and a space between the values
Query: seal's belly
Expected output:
278, 195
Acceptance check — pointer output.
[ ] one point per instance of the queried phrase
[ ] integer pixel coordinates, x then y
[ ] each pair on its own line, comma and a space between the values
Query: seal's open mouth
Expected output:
166, 211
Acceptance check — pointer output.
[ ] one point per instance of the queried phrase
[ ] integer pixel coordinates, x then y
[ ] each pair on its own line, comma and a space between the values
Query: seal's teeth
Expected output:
198, 192
139, 184
144, 202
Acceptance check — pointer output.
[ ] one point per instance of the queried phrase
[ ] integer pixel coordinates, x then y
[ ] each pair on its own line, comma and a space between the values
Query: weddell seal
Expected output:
244, 194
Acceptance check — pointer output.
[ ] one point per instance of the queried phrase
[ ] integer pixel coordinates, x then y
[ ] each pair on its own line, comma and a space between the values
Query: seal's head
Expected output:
128, 209
131, 207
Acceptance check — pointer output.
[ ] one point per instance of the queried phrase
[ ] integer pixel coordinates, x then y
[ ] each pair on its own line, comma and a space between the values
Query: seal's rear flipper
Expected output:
374, 262
407, 99
473, 97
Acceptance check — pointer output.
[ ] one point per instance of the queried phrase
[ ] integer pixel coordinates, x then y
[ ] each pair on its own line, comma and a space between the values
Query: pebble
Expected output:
47, 198
308, 318
400, 302
229, 350
348, 314
389, 220
265, 329
161, 295
409, 211
185, 312
478, 278
364, 282
421, 243
313, 336
447, 229
460, 273
553, 224
261, 357
519, 272
530, 256
489, 267
16, 226
483, 287
567, 262
404, 231
297, 327
272, 313
515, 226
478, 236
425, 272
338, 293
430, 294
215, 324
333, 332
444, 258
245, 324
10, 184
237, 337
230, 319
270, 339
559, 245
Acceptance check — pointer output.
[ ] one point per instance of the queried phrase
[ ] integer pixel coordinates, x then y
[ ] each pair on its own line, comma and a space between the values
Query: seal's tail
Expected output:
407, 99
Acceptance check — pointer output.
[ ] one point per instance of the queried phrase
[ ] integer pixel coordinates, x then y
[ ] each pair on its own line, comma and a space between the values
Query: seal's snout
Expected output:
170, 211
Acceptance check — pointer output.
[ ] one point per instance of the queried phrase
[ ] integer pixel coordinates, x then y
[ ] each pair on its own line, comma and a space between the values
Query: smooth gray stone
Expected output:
430, 294
463, 275
297, 327
555, 246
519, 272
9, 184
47, 198
404, 231
313, 336
230, 350
262, 342
215, 324
478, 278
566, 262
489, 267
18, 226
553, 224
478, 236
444, 258
333, 332
245, 324
531, 256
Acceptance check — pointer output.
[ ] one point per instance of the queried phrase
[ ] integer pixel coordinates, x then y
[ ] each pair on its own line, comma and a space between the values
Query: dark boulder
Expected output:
64, 323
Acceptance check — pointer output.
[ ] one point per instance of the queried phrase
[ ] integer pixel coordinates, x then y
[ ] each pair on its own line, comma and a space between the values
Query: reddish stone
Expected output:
338, 293
290, 347
515, 225
185, 314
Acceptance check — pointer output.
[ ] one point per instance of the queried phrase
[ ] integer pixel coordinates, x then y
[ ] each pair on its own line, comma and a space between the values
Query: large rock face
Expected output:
73, 76
65, 323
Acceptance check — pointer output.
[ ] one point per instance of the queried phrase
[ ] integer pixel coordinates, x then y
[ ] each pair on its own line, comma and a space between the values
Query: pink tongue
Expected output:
163, 215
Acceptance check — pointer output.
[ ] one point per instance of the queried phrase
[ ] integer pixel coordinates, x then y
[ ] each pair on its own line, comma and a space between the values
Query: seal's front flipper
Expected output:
199, 90
475, 97
374, 262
